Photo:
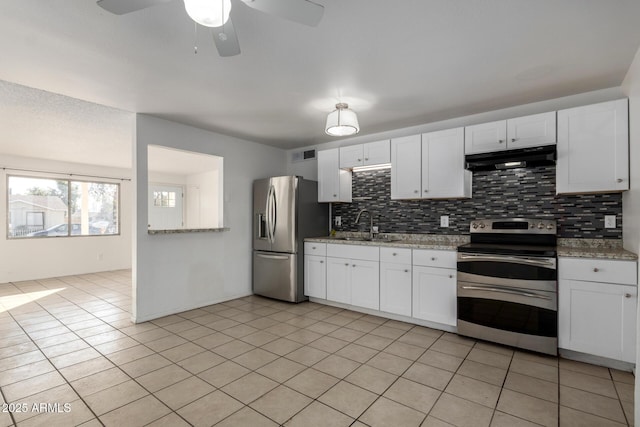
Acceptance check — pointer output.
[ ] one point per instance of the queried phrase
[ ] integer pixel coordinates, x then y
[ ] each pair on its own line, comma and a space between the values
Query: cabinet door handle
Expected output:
335, 195
347, 264
359, 160
354, 266
321, 262
313, 247
394, 254
500, 141
595, 270
366, 158
415, 191
426, 191
406, 271
514, 139
433, 258
619, 180
451, 276
627, 295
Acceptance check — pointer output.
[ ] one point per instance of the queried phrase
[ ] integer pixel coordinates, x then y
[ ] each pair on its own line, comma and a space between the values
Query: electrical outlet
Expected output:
444, 221
337, 221
609, 221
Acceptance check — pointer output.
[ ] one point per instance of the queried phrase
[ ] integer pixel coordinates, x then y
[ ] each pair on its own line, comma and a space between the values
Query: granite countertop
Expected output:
576, 248
189, 230
411, 241
594, 248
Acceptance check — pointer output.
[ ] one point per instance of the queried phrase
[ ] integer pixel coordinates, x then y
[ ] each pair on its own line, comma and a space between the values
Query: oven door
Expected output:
509, 270
509, 315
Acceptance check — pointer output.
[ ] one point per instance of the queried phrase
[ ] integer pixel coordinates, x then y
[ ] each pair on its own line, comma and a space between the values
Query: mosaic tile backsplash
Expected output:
521, 192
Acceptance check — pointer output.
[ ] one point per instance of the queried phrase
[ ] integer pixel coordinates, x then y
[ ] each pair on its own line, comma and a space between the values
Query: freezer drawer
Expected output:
275, 275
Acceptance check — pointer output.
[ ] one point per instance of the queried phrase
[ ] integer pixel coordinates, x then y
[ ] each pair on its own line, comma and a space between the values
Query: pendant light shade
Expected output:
342, 121
210, 13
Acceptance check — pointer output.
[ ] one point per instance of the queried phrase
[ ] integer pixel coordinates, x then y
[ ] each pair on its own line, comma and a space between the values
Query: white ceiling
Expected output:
397, 63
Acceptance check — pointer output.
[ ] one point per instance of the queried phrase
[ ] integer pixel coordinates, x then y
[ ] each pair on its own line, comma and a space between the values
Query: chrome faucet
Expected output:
370, 221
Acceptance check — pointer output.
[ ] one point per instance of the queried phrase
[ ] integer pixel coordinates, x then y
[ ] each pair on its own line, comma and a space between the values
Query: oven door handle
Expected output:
505, 291
519, 260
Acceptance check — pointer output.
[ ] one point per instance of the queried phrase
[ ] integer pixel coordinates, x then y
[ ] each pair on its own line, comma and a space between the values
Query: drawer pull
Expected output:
619, 180
406, 271
347, 264
313, 247
595, 270
354, 265
433, 258
514, 139
321, 262
451, 276
394, 254
627, 295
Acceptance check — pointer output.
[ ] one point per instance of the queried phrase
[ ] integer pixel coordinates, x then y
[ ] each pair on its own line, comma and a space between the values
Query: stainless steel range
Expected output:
507, 283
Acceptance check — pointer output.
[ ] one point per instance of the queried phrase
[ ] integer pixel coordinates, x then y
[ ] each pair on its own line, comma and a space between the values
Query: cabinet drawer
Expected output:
314, 248
367, 253
598, 270
395, 255
435, 258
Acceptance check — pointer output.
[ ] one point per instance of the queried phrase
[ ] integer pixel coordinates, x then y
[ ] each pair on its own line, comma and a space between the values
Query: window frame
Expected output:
69, 181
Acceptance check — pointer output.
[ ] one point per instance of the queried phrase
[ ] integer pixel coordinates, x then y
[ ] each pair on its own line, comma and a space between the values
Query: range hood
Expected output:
522, 157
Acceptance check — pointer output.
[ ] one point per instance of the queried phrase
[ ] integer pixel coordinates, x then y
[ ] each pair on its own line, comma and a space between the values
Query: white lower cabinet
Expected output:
315, 276
353, 275
434, 294
597, 317
395, 288
365, 284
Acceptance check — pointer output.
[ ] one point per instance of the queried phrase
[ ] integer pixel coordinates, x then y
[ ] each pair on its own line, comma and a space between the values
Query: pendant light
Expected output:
342, 121
210, 13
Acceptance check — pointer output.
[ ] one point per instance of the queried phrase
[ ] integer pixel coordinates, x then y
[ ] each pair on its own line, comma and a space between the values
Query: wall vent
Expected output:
300, 156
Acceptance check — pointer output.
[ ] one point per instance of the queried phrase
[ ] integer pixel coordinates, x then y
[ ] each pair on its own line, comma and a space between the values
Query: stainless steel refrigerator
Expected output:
285, 211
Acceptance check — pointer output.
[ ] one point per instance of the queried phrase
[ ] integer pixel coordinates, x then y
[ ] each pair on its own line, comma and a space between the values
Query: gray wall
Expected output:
178, 272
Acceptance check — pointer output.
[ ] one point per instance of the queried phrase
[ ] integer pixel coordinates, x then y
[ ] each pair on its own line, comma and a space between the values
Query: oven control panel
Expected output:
513, 226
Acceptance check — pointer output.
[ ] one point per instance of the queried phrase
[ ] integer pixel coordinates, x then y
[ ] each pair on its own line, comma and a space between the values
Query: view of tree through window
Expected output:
41, 207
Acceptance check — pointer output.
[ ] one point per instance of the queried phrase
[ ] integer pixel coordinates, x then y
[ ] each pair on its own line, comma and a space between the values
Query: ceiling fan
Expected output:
215, 14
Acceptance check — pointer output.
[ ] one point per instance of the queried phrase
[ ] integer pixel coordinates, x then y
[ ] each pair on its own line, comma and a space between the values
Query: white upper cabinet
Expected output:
429, 166
377, 153
531, 131
406, 165
485, 137
443, 172
371, 153
521, 132
351, 156
334, 184
593, 148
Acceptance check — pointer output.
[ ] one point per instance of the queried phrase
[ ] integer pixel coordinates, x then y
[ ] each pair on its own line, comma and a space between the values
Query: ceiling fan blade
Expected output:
226, 40
301, 11
120, 7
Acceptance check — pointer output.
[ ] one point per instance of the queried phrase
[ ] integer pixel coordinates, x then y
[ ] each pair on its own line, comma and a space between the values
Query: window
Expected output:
164, 199
43, 207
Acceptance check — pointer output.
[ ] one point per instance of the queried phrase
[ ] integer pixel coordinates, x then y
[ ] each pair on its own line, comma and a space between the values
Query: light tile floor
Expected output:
259, 362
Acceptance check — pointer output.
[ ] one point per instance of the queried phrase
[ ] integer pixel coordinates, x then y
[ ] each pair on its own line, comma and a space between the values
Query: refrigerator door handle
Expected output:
267, 211
282, 257
274, 213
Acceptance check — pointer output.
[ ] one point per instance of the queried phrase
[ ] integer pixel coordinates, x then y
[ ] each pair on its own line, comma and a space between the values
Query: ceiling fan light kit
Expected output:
215, 14
210, 13
342, 121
